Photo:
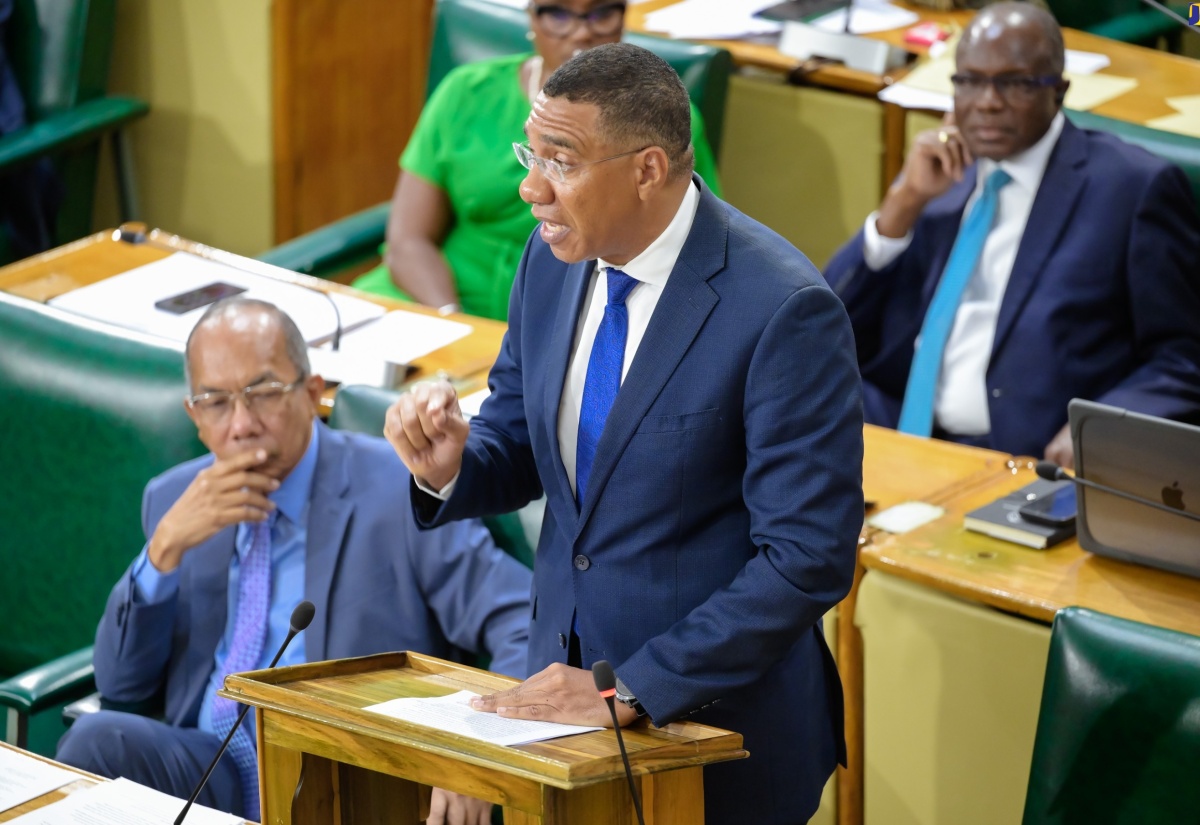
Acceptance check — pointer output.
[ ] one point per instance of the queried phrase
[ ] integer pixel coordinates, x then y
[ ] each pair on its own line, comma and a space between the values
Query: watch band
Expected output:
628, 699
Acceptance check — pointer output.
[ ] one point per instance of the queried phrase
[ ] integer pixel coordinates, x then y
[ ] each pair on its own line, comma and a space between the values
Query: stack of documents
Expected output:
712, 19
122, 802
928, 85
24, 777
128, 300
868, 16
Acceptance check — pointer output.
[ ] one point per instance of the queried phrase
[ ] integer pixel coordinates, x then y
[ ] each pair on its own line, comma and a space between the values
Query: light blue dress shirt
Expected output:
289, 536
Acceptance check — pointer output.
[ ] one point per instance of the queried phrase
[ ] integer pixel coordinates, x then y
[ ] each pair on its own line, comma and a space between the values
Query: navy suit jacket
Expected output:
378, 584
722, 510
1103, 301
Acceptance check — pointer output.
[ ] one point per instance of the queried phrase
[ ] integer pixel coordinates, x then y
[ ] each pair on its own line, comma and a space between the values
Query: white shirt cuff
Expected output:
880, 250
442, 494
151, 585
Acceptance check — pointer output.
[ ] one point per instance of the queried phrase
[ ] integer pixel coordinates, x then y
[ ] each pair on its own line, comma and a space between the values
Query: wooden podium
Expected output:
323, 759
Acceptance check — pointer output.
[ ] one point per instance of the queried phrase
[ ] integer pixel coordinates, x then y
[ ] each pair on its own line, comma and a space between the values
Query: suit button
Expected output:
996, 393
582, 562
562, 641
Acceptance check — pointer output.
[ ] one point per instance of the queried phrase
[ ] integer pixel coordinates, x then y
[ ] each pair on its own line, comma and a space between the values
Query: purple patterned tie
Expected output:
249, 634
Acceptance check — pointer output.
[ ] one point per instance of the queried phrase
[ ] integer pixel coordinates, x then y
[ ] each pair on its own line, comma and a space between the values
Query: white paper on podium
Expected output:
127, 300
122, 802
453, 714
23, 778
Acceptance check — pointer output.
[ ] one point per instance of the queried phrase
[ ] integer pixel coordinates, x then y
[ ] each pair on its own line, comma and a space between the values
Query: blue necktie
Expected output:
603, 376
916, 416
245, 653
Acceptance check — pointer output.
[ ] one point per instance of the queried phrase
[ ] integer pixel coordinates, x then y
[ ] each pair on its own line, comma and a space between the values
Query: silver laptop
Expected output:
1149, 457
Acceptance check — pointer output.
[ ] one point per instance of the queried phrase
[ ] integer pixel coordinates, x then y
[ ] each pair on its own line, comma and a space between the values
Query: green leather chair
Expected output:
362, 409
1181, 150
1118, 734
60, 53
90, 414
1130, 21
466, 31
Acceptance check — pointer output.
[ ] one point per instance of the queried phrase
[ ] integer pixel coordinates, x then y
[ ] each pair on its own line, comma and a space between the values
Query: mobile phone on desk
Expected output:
185, 302
1054, 509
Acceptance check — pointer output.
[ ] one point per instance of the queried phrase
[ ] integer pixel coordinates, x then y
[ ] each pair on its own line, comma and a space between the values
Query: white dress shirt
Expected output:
961, 405
651, 269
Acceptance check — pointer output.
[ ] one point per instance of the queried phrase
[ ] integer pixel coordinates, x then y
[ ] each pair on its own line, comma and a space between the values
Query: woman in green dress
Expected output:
457, 225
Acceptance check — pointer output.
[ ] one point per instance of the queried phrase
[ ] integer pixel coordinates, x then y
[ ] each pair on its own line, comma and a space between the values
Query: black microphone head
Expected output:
1049, 471
302, 616
602, 674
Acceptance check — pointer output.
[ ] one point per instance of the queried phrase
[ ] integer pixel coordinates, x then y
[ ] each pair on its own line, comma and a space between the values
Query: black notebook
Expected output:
1001, 518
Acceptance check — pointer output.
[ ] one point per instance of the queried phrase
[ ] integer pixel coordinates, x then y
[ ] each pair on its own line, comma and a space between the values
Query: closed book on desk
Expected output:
1001, 519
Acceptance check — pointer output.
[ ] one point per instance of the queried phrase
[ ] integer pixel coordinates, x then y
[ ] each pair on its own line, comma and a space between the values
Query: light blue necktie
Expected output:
603, 376
245, 653
916, 416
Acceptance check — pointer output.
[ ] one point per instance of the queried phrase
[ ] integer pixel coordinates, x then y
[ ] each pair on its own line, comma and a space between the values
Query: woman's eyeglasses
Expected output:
559, 21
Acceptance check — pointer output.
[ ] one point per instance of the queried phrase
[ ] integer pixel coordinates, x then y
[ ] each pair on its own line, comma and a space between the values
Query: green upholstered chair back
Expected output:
362, 409
1181, 150
60, 52
1118, 735
1127, 20
466, 31
89, 415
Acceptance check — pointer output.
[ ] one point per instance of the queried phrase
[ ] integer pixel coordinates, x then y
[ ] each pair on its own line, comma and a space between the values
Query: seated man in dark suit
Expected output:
285, 509
1074, 273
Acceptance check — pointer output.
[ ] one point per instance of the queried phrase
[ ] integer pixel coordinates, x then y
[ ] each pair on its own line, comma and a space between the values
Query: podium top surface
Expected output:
333, 694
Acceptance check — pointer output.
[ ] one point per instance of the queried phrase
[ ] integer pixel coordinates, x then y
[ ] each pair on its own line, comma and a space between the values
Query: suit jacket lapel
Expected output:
1057, 196
208, 586
575, 290
329, 512
685, 304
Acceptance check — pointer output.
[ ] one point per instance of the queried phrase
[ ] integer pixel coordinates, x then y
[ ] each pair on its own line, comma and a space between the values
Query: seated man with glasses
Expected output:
284, 509
457, 227
1019, 262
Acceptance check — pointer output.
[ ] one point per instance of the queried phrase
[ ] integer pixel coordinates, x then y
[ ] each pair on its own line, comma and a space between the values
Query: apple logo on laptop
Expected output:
1173, 496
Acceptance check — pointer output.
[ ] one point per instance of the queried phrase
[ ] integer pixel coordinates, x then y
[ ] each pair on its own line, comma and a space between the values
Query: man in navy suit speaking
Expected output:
681, 383
1019, 262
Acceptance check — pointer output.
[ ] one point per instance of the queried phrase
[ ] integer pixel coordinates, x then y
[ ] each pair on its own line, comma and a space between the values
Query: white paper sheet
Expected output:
1086, 62
23, 778
713, 19
453, 714
127, 300
121, 802
403, 337
868, 16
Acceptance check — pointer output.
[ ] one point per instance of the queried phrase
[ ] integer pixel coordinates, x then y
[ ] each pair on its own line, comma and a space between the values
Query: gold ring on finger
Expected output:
943, 136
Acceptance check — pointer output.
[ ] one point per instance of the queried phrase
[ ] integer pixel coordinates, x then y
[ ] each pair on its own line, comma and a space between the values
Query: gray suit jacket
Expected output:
378, 584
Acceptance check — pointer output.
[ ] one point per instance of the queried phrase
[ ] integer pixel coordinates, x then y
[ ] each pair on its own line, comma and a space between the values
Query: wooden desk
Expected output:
99, 256
977, 619
85, 781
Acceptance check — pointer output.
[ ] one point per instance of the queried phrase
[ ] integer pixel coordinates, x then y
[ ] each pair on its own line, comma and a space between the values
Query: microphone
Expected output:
302, 617
606, 683
1052, 472
1154, 4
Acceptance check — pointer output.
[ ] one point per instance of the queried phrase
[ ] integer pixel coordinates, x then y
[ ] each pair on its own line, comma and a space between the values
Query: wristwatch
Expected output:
628, 699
